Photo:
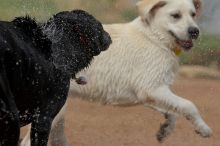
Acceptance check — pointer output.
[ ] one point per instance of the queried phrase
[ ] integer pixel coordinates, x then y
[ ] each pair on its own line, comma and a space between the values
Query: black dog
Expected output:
36, 65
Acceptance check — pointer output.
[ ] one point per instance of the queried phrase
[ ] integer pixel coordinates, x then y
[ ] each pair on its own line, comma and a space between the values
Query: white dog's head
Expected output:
174, 19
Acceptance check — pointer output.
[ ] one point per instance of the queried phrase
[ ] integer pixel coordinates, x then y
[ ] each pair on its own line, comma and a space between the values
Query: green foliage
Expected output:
41, 9
129, 14
107, 11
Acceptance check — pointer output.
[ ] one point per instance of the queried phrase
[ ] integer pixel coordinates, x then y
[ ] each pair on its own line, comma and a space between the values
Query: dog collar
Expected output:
177, 51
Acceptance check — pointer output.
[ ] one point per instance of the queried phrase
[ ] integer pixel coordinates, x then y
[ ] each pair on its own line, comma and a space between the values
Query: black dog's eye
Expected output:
176, 15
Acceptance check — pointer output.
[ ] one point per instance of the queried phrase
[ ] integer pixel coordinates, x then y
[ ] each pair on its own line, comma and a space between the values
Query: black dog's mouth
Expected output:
185, 44
80, 80
105, 46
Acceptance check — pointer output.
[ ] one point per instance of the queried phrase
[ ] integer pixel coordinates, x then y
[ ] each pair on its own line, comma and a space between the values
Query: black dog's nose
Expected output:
106, 41
193, 32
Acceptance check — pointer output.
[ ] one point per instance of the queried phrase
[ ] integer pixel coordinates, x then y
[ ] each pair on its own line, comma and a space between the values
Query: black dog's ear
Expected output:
148, 8
78, 29
78, 24
71, 26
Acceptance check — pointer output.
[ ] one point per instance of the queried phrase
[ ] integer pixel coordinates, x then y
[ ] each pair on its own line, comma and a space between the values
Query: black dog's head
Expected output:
76, 37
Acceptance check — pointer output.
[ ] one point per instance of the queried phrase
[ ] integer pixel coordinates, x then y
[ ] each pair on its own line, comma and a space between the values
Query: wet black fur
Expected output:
33, 31
36, 64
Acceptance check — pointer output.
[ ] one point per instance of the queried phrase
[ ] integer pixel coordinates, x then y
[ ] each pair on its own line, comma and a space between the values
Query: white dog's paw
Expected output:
204, 130
165, 130
167, 127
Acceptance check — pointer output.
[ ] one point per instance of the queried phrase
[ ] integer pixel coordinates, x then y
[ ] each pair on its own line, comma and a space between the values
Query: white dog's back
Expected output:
133, 61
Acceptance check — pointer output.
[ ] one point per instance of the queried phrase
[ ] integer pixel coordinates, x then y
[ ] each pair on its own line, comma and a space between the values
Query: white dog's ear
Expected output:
198, 6
148, 8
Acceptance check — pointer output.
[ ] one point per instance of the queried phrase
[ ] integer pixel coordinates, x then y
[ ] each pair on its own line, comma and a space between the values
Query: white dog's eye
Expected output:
193, 14
176, 15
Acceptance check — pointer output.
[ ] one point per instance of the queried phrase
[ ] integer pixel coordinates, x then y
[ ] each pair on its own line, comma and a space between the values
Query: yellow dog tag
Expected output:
178, 51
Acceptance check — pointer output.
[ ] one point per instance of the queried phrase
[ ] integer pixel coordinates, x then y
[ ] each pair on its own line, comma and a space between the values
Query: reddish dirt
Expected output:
92, 124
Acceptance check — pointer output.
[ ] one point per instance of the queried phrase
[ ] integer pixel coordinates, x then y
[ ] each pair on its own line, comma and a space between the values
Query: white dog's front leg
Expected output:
167, 127
165, 99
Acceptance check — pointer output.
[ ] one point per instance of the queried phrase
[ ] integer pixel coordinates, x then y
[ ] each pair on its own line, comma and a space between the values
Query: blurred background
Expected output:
206, 52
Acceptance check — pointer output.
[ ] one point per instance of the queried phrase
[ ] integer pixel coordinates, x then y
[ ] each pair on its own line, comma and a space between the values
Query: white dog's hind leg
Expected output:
26, 140
168, 126
57, 135
165, 99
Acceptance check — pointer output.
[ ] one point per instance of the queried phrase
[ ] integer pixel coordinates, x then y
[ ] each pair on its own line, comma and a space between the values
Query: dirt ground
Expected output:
92, 124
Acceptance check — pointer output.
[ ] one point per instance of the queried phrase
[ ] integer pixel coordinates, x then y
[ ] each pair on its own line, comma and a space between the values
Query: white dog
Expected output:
142, 63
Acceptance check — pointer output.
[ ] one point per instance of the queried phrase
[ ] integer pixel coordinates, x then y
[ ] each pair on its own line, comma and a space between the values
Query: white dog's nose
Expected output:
193, 32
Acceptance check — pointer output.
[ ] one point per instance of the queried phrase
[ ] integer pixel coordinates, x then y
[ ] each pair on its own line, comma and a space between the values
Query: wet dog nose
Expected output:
193, 32
106, 41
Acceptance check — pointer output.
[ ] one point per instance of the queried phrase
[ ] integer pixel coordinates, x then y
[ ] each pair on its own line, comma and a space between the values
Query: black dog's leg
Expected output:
40, 130
9, 119
9, 129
